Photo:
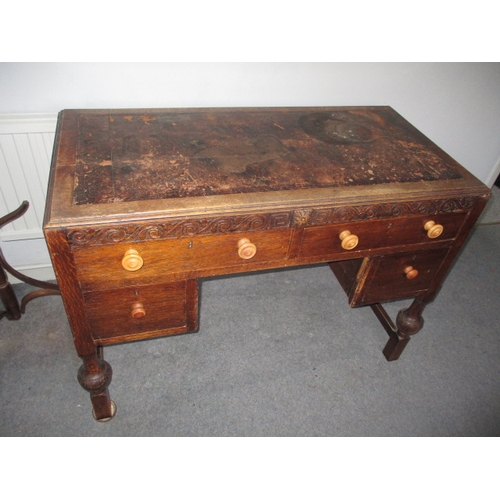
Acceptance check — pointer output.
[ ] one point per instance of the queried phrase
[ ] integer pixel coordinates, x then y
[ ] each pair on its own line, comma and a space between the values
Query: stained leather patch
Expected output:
132, 156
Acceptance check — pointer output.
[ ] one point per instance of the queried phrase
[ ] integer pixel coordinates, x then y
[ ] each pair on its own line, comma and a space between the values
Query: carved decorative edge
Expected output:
132, 233
326, 216
178, 229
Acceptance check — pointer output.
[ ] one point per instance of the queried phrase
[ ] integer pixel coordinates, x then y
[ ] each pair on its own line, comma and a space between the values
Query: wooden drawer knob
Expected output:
349, 241
138, 310
433, 230
246, 249
410, 272
132, 261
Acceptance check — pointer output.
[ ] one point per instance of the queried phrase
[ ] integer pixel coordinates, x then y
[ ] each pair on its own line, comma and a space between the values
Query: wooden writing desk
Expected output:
143, 203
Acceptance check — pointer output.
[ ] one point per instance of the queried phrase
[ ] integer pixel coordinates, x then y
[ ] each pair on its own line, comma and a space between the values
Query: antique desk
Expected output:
143, 203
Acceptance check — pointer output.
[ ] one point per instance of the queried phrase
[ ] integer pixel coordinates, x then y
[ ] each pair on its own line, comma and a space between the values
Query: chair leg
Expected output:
9, 299
14, 310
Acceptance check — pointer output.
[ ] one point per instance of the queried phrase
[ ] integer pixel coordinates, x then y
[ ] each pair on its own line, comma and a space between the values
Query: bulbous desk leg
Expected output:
408, 322
95, 376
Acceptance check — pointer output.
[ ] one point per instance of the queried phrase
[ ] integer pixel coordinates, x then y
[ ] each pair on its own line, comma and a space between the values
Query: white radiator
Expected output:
26, 143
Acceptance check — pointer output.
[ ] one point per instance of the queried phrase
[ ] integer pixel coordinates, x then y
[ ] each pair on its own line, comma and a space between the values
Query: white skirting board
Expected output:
30, 257
42, 272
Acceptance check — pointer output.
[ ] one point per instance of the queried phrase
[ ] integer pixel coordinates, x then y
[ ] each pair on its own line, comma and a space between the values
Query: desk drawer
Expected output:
136, 313
102, 267
375, 234
390, 277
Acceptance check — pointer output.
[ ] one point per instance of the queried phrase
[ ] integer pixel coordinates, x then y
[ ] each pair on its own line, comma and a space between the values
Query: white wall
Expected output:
456, 104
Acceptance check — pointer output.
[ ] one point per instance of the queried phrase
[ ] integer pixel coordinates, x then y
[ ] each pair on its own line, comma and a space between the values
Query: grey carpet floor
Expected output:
277, 354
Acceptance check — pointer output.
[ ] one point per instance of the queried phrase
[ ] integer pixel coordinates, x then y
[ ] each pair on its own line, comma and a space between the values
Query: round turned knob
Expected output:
132, 261
349, 241
433, 230
246, 249
410, 272
138, 310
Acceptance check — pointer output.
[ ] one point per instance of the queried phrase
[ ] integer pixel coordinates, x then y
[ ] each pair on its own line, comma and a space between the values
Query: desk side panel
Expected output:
67, 278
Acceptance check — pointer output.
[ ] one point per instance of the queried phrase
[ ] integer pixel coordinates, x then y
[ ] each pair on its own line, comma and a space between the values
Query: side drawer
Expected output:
388, 277
136, 313
380, 233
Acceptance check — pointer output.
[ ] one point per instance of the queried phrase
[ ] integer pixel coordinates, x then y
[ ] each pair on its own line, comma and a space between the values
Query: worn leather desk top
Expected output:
116, 162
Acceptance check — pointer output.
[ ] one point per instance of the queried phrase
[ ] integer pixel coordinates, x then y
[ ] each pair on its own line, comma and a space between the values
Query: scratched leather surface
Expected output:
136, 156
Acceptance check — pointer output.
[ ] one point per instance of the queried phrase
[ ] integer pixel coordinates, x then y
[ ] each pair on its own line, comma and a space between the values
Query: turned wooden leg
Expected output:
95, 376
408, 322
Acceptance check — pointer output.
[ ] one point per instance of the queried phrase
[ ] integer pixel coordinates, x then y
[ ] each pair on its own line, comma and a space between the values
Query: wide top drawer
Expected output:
125, 264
